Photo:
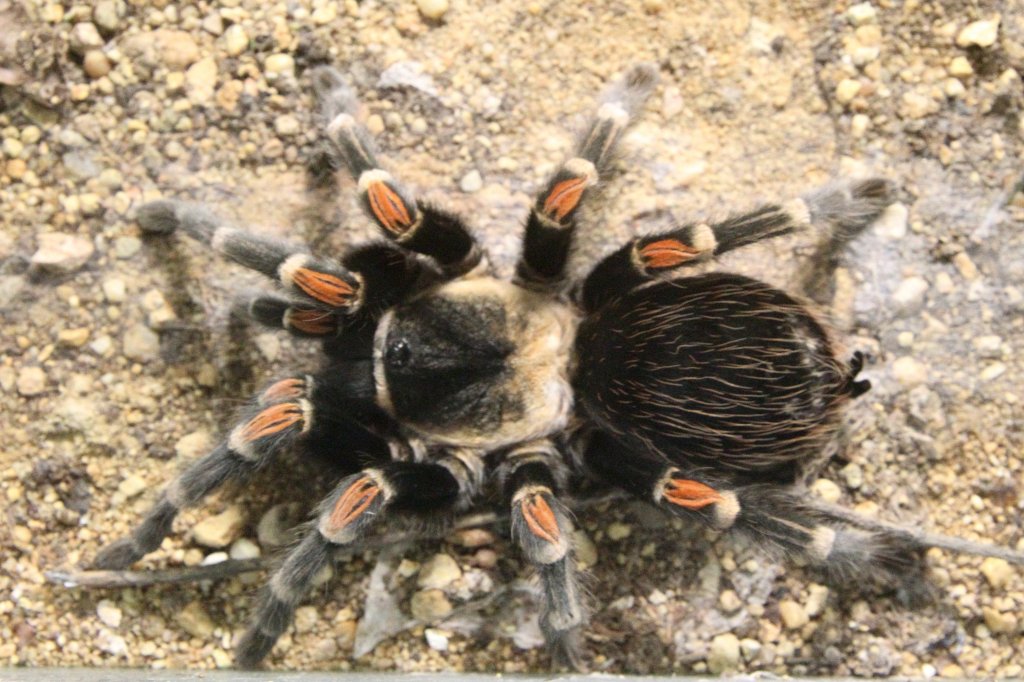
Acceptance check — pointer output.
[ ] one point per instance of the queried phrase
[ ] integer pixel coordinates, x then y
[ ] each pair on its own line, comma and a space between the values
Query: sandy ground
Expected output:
119, 364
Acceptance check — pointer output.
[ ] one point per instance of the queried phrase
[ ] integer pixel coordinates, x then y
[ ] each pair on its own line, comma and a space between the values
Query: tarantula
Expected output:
704, 395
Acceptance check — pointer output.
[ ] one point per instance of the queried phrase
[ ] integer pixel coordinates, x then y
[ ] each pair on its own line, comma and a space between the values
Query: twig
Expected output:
95, 579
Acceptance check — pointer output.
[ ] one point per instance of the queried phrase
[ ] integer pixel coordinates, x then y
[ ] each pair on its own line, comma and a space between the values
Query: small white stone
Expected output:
892, 224
817, 596
436, 639
619, 531
724, 653
236, 40
220, 530
981, 33
846, 90
793, 615
306, 618
61, 252
432, 9
852, 475
31, 381
993, 371
438, 571
214, 558
988, 346
729, 601
114, 290
109, 613
278, 65
861, 13
960, 67
141, 344
287, 125
826, 490
471, 182
132, 486
657, 597
244, 548
909, 371
910, 295
430, 605
859, 125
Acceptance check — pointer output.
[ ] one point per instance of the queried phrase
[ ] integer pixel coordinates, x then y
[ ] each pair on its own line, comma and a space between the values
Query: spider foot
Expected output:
687, 497
541, 525
355, 506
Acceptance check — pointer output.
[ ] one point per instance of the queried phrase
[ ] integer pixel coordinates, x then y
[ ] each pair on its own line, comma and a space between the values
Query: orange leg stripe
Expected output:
540, 518
690, 494
286, 388
310, 321
667, 253
352, 503
388, 207
325, 288
564, 197
272, 420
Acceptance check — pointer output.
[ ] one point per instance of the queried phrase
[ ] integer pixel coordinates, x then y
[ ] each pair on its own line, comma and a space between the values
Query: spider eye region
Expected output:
398, 353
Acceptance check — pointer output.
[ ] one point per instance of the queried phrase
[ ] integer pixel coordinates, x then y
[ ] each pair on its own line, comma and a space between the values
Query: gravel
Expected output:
121, 362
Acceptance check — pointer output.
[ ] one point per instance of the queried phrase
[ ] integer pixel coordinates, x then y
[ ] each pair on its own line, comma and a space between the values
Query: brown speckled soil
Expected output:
760, 99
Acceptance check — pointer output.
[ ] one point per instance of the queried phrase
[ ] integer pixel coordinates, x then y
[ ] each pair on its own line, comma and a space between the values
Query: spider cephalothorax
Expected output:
704, 395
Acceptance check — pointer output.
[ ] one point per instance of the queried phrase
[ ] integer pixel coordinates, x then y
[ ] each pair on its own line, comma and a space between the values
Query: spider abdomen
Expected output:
718, 369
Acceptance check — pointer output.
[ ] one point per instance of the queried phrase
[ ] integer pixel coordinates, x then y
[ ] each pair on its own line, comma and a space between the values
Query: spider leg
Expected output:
552, 221
779, 518
542, 528
418, 227
839, 212
289, 409
357, 505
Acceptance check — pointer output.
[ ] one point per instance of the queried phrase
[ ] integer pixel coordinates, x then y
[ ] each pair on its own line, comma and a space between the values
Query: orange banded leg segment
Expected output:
542, 528
327, 284
359, 503
281, 414
548, 237
300, 319
422, 229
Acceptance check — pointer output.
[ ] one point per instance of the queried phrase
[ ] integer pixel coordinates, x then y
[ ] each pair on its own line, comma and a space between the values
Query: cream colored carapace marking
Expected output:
543, 331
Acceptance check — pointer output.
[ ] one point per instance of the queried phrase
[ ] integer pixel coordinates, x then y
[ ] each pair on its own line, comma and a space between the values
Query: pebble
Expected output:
909, 371
430, 605
846, 90
194, 620
471, 182
96, 64
908, 298
220, 530
175, 49
438, 571
852, 475
915, 105
997, 621
214, 558
62, 253
724, 654
131, 486
106, 16
31, 381
201, 80
436, 639
619, 531
73, 338
859, 125
244, 548
793, 615
306, 618
473, 537
826, 490
750, 648
141, 344
729, 601
988, 346
213, 24
960, 67
584, 549
236, 40
965, 266
817, 596
108, 613
325, 14
84, 37
126, 247
892, 224
861, 13
278, 65
993, 371
193, 445
981, 33
287, 125
432, 9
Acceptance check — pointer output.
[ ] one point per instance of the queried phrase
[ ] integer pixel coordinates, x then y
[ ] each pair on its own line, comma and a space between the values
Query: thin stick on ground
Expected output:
96, 579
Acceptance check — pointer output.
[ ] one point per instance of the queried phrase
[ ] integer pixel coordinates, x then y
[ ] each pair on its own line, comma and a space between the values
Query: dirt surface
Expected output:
120, 362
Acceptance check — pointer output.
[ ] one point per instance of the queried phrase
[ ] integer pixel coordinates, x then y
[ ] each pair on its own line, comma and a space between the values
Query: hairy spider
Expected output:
705, 395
